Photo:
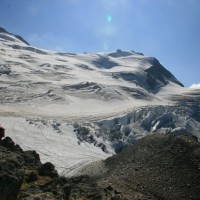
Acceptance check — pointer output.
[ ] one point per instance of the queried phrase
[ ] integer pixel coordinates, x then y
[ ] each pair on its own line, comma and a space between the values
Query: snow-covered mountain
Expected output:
78, 108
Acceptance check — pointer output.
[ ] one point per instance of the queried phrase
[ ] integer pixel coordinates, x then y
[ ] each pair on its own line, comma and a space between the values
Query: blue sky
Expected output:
166, 29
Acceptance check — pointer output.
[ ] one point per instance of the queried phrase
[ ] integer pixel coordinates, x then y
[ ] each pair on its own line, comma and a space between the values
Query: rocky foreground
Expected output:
156, 167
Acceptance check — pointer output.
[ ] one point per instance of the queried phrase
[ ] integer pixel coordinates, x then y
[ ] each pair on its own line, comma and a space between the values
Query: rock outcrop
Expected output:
156, 167
22, 175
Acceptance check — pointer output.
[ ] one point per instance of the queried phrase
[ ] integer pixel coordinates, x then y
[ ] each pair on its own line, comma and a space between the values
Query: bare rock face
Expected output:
156, 167
48, 169
24, 177
18, 170
2, 30
11, 173
9, 186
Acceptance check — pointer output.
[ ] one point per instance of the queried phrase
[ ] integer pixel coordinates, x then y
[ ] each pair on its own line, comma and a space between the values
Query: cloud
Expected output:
195, 86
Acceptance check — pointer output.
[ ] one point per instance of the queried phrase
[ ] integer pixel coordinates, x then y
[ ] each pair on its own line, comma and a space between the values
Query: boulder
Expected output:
47, 169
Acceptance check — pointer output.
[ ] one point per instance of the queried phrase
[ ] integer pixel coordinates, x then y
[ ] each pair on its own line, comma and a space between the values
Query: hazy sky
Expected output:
166, 29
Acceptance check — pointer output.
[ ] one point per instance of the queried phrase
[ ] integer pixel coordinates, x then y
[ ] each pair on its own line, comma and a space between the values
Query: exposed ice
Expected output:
74, 109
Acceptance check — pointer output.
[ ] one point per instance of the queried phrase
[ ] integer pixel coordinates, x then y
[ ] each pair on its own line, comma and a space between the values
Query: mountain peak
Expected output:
79, 108
123, 53
158, 76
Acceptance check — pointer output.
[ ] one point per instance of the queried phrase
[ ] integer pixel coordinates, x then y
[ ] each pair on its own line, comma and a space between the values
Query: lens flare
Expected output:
109, 18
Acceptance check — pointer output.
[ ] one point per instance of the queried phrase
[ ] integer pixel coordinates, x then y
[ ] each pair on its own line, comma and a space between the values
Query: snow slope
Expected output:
77, 108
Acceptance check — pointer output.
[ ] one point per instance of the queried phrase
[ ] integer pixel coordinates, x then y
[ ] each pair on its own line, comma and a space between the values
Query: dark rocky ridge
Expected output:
158, 76
17, 36
24, 177
157, 167
20, 170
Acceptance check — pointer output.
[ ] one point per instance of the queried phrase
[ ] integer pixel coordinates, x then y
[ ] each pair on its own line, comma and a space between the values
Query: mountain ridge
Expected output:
2, 30
75, 109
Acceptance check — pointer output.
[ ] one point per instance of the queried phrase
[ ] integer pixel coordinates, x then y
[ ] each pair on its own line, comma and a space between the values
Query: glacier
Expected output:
74, 109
